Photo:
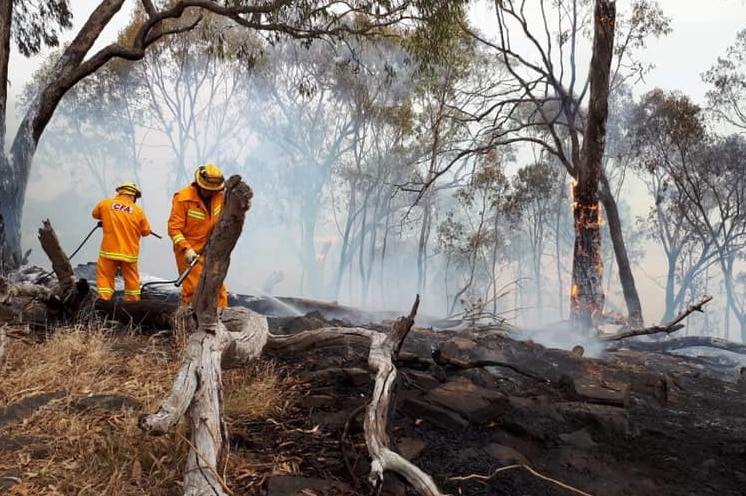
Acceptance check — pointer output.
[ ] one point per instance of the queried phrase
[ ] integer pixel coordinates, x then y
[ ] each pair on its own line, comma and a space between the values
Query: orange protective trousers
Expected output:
106, 271
189, 286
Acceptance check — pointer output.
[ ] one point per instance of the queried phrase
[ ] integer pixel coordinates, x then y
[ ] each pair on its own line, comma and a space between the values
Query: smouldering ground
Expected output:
60, 450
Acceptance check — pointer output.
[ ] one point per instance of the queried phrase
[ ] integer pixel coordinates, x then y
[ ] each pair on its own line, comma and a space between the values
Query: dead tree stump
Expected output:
197, 389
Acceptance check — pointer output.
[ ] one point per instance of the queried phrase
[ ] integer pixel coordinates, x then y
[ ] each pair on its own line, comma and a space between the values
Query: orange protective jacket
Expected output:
190, 222
124, 223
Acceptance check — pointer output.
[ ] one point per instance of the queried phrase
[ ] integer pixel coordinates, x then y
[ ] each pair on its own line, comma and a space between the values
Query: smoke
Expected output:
562, 335
335, 148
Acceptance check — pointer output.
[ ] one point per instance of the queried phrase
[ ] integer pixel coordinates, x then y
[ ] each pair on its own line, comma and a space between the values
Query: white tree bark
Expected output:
197, 392
2, 344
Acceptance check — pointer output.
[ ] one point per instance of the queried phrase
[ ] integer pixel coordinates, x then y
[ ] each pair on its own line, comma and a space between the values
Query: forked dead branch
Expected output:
236, 336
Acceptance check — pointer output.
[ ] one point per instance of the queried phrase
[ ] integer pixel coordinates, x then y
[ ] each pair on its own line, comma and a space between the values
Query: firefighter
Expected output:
194, 212
124, 223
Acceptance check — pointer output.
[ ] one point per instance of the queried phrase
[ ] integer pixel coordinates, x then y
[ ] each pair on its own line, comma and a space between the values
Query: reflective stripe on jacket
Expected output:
124, 223
190, 222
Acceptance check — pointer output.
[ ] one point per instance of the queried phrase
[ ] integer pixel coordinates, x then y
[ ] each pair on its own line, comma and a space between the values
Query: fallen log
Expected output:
144, 315
687, 342
41, 306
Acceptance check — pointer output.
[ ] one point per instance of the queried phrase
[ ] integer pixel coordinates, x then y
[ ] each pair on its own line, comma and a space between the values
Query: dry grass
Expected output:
64, 451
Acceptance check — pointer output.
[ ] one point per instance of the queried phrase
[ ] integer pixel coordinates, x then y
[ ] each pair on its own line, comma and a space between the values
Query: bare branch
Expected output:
668, 328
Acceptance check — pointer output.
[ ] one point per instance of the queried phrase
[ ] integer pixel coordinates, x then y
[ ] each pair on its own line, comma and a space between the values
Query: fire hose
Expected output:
179, 280
100, 224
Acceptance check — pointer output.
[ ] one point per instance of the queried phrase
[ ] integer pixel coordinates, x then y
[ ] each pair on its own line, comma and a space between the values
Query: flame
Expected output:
588, 218
606, 12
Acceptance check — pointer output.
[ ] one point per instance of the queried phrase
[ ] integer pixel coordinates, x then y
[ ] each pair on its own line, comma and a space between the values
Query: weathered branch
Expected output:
382, 349
668, 328
61, 265
197, 389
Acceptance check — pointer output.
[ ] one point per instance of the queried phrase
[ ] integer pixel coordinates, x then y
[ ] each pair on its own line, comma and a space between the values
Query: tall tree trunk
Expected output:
10, 242
587, 299
15, 169
631, 297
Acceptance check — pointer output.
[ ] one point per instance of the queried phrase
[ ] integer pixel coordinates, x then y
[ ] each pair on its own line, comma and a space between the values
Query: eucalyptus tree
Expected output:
472, 238
299, 105
556, 106
191, 92
668, 134
376, 89
727, 81
702, 178
534, 200
720, 208
450, 89
30, 26
33, 25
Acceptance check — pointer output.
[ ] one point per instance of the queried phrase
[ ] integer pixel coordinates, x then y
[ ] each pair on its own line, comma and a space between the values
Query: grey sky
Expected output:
702, 31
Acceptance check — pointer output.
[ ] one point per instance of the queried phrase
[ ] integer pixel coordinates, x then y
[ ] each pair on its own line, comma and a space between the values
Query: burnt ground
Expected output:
630, 424
525, 420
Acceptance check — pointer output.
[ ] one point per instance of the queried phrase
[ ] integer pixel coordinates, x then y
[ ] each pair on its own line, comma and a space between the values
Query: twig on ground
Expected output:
529, 470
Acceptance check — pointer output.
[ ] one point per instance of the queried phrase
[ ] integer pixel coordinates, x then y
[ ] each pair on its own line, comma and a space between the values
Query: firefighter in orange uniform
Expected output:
124, 223
194, 212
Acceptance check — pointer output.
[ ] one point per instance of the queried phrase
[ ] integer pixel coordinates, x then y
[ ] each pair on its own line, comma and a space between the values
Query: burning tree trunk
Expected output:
587, 293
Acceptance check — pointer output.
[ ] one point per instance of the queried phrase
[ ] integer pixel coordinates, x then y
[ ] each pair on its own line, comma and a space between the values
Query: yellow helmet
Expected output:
209, 177
129, 189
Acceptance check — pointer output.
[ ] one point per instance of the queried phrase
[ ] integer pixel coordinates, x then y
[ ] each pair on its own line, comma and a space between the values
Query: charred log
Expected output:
686, 342
447, 361
144, 315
